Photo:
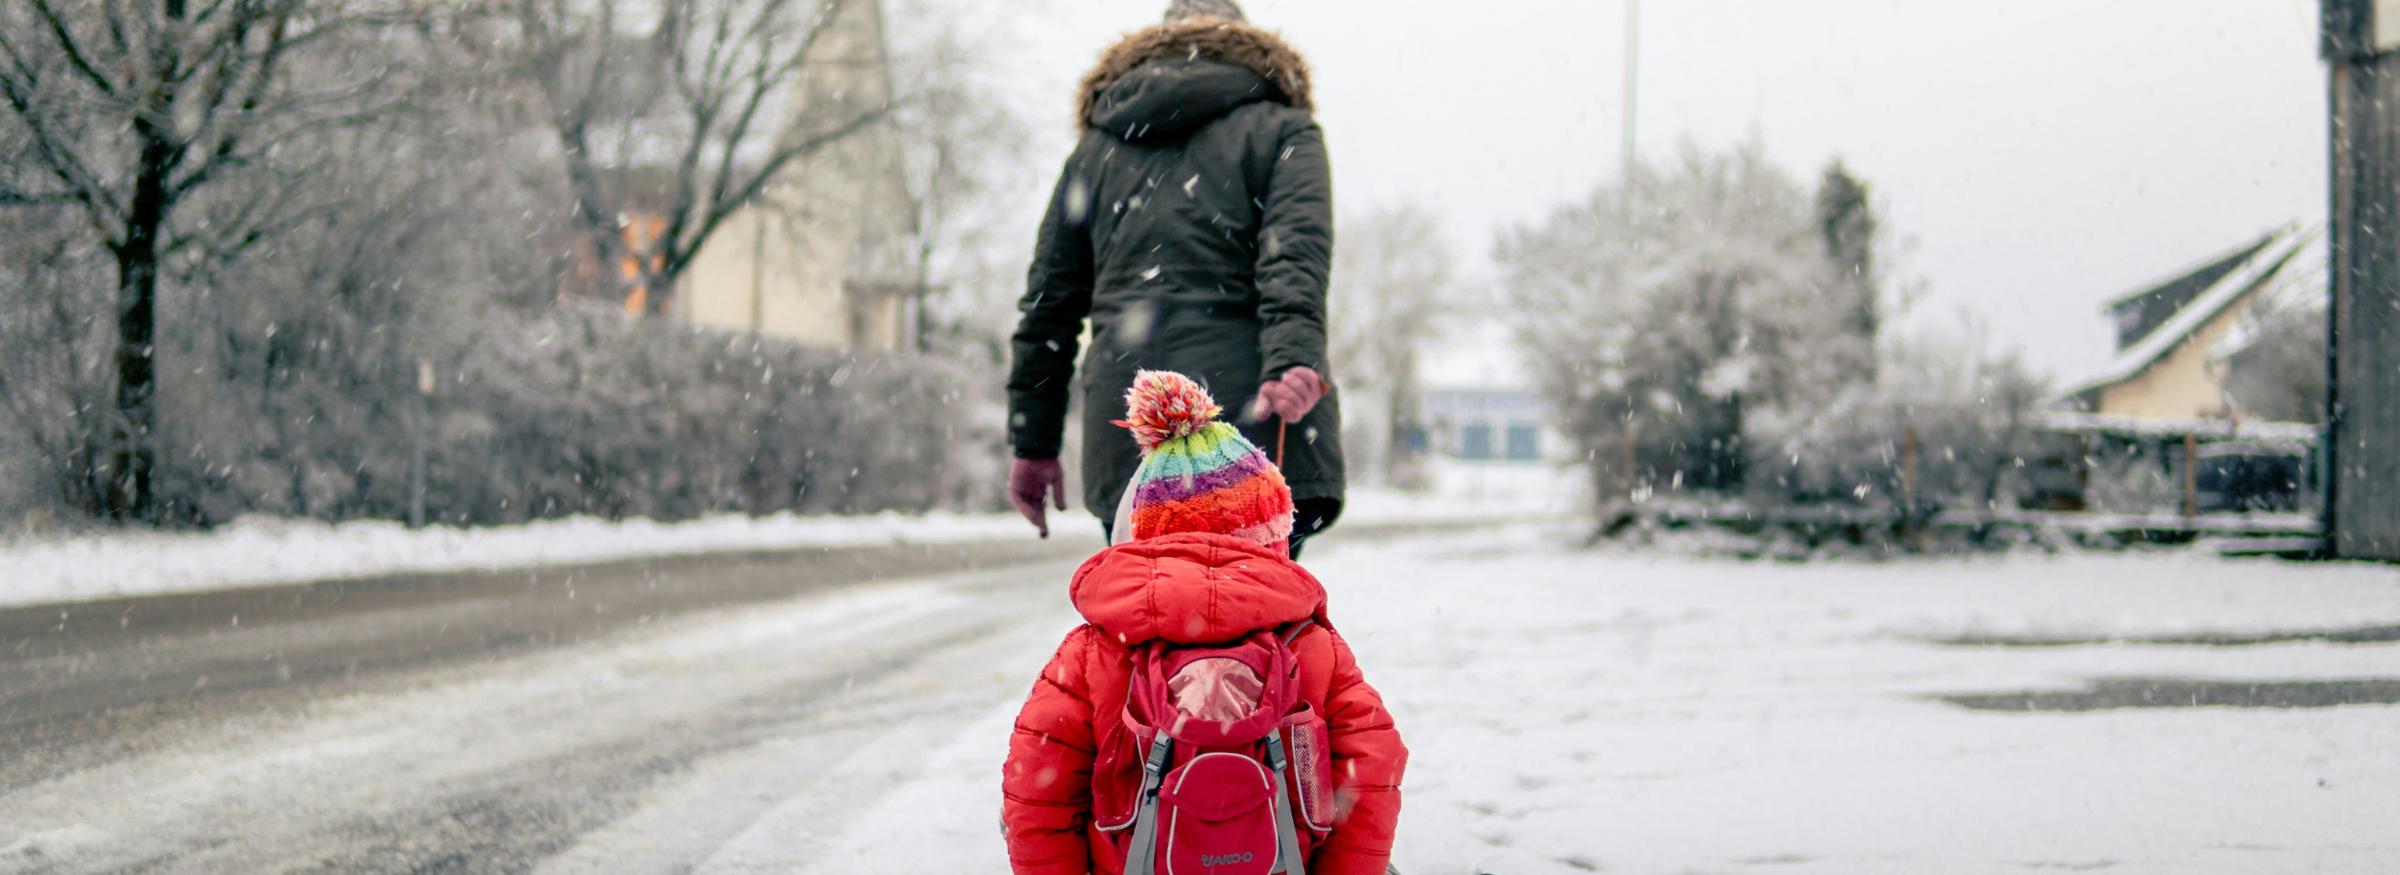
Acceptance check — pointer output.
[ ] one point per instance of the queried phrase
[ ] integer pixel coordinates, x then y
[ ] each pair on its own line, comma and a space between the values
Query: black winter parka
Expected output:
1193, 228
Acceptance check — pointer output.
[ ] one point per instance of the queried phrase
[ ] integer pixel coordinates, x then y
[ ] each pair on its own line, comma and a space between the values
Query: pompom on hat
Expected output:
1178, 10
1197, 474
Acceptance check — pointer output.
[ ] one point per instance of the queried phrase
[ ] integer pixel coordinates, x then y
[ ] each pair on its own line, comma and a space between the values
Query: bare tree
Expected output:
2277, 372
132, 110
685, 110
53, 389
1392, 293
962, 150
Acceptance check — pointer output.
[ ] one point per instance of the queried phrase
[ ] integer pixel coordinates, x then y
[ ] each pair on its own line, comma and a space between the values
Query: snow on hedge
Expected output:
264, 551
257, 551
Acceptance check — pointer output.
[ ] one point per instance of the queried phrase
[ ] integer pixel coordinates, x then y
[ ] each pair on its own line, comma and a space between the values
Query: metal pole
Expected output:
416, 445
1633, 68
758, 270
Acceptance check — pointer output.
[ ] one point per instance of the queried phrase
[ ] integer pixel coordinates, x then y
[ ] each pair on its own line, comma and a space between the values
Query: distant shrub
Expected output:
560, 412
1970, 443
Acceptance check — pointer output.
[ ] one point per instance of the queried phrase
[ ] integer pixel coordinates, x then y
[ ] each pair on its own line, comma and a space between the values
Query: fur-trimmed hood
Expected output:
1220, 62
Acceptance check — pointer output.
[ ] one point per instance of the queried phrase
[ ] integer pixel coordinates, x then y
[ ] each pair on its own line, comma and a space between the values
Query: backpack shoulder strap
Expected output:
1292, 632
1288, 859
1142, 855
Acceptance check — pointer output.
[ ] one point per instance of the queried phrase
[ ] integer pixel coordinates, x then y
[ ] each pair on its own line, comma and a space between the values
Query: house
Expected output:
823, 257
2145, 433
1484, 424
1479, 406
2169, 336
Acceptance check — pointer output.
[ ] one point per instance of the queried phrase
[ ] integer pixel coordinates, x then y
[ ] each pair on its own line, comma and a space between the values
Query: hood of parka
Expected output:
1164, 80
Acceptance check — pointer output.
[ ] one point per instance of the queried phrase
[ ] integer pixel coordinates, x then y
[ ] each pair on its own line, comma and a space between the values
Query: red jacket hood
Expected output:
1193, 588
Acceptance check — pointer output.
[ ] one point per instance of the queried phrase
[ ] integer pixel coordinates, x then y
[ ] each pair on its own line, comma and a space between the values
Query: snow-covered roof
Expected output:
2303, 278
2292, 433
2254, 273
1498, 401
2138, 313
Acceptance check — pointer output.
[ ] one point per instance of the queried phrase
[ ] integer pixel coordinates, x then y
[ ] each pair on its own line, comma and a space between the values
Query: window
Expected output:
1475, 441
1524, 442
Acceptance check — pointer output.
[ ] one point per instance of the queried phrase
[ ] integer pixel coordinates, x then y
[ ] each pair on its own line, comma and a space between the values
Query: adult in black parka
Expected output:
1193, 227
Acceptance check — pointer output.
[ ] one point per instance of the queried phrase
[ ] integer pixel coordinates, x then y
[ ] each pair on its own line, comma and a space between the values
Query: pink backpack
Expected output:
1235, 768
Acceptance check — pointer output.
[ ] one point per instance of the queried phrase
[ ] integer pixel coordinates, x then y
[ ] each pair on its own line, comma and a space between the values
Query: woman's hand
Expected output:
1028, 479
1290, 397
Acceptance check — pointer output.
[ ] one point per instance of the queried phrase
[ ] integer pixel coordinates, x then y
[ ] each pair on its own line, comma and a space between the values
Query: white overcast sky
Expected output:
2042, 156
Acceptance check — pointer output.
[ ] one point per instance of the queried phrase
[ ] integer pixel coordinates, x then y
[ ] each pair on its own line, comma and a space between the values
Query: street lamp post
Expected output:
1633, 70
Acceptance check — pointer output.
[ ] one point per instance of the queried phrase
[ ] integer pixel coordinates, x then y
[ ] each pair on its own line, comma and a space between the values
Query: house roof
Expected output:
2292, 434
2139, 313
2226, 285
2303, 279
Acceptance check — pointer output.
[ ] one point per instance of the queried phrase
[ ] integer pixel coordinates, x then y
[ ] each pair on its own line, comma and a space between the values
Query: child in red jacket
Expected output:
1201, 560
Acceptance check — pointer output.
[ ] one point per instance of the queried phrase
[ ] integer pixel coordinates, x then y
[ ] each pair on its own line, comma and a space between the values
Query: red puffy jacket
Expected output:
1188, 589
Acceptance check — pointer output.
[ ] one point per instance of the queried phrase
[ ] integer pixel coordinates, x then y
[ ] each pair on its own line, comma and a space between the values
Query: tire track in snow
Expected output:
493, 768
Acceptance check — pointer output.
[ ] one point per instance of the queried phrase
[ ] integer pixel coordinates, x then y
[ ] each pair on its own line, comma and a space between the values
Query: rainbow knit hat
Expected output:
1197, 474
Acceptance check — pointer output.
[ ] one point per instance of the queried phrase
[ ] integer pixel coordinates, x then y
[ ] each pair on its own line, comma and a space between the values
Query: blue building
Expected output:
1486, 425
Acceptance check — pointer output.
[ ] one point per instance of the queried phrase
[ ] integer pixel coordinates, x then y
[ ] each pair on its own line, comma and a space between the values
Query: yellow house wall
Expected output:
2181, 385
715, 289
784, 265
768, 271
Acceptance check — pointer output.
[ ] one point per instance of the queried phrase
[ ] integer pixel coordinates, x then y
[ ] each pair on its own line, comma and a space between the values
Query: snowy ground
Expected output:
1568, 711
266, 551
1625, 714
1580, 712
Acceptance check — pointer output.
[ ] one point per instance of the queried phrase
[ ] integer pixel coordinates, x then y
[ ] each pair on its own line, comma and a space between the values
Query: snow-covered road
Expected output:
1568, 711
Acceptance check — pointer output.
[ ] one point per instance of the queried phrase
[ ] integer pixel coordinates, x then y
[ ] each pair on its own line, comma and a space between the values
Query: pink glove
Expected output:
1291, 397
1027, 480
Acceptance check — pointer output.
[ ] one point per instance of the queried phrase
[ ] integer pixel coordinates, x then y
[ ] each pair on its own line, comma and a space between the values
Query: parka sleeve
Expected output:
1368, 760
1058, 295
1295, 254
1046, 783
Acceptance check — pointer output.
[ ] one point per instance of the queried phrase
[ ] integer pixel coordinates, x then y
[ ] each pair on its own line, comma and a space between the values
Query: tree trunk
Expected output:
654, 287
129, 478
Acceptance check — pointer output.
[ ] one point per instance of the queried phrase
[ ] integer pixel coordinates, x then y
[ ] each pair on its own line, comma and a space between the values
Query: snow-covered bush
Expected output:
54, 398
557, 412
1665, 311
1709, 326
1972, 426
2124, 480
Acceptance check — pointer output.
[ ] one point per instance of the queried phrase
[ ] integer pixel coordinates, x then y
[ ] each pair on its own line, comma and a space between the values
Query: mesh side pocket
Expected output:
1311, 750
1117, 777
